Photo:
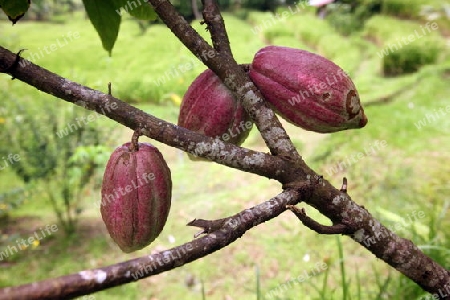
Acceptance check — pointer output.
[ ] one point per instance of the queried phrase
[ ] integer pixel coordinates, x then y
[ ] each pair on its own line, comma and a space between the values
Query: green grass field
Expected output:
404, 166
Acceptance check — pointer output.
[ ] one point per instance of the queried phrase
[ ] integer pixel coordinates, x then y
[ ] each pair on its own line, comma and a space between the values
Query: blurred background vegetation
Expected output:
404, 89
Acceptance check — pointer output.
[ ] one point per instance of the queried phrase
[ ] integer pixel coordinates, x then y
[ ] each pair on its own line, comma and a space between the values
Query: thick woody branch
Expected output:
90, 281
290, 170
304, 188
364, 229
160, 130
400, 253
234, 78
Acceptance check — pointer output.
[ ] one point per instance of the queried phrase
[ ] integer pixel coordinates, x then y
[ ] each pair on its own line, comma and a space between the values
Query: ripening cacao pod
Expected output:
136, 195
209, 108
306, 89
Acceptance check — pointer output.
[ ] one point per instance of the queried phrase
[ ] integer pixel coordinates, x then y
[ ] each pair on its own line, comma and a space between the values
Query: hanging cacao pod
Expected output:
136, 195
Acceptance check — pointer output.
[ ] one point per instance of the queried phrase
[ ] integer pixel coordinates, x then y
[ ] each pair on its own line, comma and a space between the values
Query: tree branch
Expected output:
94, 280
400, 253
233, 77
160, 130
316, 226
216, 27
290, 169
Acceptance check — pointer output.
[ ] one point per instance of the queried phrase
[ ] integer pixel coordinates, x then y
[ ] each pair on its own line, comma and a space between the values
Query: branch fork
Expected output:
345, 226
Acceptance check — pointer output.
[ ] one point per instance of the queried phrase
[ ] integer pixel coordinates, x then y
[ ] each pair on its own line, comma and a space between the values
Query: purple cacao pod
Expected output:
136, 196
209, 108
307, 90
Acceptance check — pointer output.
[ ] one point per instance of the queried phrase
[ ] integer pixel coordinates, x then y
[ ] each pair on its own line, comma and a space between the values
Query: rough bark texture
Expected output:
89, 281
284, 165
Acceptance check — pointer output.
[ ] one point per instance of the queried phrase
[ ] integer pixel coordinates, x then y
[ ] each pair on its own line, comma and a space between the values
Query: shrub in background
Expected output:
59, 152
409, 58
408, 9
348, 17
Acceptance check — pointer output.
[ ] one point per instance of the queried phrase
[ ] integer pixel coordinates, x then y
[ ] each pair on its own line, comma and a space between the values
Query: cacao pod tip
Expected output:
363, 121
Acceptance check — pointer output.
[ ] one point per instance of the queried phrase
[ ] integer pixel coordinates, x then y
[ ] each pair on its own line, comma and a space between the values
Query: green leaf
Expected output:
105, 19
139, 9
144, 12
15, 9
